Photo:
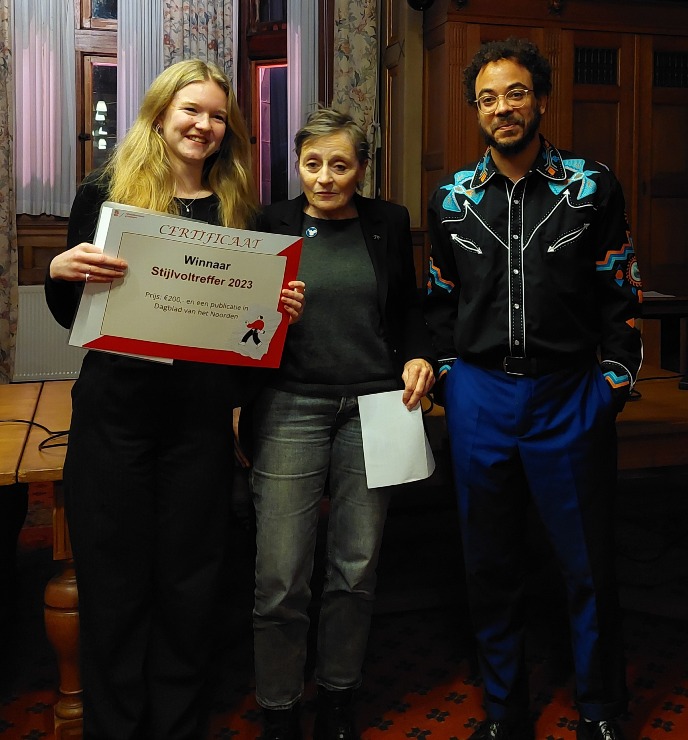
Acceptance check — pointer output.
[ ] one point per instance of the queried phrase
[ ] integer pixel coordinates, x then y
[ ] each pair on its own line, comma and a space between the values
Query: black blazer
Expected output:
387, 233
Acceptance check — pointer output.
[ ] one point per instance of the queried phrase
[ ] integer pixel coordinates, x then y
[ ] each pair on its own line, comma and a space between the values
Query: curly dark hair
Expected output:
521, 51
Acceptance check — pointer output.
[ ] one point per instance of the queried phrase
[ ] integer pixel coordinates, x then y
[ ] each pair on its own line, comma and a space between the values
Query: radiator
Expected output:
43, 352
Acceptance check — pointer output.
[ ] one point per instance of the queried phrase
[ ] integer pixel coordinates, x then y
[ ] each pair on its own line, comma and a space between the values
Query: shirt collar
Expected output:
548, 163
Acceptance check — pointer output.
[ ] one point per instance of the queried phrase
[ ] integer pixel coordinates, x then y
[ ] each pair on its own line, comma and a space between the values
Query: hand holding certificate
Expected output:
192, 291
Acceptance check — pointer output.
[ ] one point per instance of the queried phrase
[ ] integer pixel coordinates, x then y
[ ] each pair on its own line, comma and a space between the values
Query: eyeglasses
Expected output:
515, 98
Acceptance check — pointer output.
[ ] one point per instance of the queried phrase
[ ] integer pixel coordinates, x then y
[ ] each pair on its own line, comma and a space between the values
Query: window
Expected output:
271, 125
96, 47
100, 109
272, 11
263, 93
99, 14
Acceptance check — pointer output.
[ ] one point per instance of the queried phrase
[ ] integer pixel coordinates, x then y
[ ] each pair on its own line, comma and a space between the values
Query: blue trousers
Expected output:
554, 438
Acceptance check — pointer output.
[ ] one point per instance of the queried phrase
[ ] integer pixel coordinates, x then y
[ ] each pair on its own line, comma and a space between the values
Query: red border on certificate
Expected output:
191, 291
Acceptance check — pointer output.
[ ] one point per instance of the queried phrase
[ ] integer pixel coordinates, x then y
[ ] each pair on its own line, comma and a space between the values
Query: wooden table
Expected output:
53, 410
653, 430
665, 308
16, 402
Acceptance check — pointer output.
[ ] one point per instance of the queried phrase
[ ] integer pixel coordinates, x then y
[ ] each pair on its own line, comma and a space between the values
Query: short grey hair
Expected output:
328, 121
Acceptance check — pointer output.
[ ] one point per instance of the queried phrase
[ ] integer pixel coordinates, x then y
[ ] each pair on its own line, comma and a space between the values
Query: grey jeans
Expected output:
301, 443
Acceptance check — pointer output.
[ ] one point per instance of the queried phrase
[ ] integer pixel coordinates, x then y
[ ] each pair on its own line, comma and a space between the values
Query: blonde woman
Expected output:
148, 470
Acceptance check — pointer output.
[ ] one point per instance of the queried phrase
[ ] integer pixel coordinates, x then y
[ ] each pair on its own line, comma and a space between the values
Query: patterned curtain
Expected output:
8, 224
201, 29
355, 73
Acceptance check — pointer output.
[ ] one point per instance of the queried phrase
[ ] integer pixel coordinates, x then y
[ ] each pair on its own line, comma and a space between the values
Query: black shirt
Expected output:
541, 268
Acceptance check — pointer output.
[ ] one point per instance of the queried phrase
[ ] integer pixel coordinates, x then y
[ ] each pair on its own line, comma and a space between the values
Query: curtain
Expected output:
139, 55
45, 105
302, 71
8, 227
355, 71
201, 29
153, 34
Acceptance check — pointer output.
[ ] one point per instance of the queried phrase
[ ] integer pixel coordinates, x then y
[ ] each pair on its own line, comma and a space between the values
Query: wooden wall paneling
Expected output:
39, 239
474, 143
663, 165
402, 81
392, 177
555, 123
457, 43
632, 196
326, 51
103, 42
604, 115
622, 16
435, 125
563, 91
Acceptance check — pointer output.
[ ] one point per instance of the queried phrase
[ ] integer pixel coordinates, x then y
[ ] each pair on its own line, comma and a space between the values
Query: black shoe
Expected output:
605, 729
282, 724
334, 719
502, 730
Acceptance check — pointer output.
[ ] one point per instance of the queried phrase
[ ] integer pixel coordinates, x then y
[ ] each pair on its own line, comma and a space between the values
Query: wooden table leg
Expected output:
62, 629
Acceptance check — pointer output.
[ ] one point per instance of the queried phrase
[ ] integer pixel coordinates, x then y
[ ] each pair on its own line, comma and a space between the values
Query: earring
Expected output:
157, 129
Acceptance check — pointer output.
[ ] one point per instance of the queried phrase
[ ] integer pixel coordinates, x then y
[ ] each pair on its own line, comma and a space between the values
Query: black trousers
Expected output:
147, 485
14, 502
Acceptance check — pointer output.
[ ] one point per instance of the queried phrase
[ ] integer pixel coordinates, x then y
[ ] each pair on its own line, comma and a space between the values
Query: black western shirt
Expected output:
542, 268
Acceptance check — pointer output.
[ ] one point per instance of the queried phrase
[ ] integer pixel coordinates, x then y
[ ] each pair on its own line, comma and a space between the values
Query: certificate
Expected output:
192, 291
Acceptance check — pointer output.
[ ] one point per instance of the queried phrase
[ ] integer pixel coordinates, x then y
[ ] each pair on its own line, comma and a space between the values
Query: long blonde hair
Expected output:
140, 173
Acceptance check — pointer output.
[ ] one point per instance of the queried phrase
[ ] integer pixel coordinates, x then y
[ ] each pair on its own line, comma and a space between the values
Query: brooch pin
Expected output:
311, 231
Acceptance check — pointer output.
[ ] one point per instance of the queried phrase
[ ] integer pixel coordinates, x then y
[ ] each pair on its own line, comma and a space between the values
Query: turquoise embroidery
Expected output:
617, 381
459, 188
577, 175
438, 280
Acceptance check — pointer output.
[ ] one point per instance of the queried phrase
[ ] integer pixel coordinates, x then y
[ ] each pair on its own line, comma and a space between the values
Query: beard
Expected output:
514, 146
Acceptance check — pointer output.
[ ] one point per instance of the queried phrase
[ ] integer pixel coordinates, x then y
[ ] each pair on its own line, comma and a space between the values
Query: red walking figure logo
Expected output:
254, 328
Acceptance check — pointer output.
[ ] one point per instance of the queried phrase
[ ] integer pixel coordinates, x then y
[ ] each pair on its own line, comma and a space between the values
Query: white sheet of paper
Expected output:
395, 446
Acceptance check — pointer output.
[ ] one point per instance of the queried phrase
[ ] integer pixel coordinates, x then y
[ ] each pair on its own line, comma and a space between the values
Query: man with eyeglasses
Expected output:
533, 293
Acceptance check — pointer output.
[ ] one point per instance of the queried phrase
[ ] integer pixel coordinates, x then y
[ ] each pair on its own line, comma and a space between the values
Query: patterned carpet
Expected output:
419, 674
